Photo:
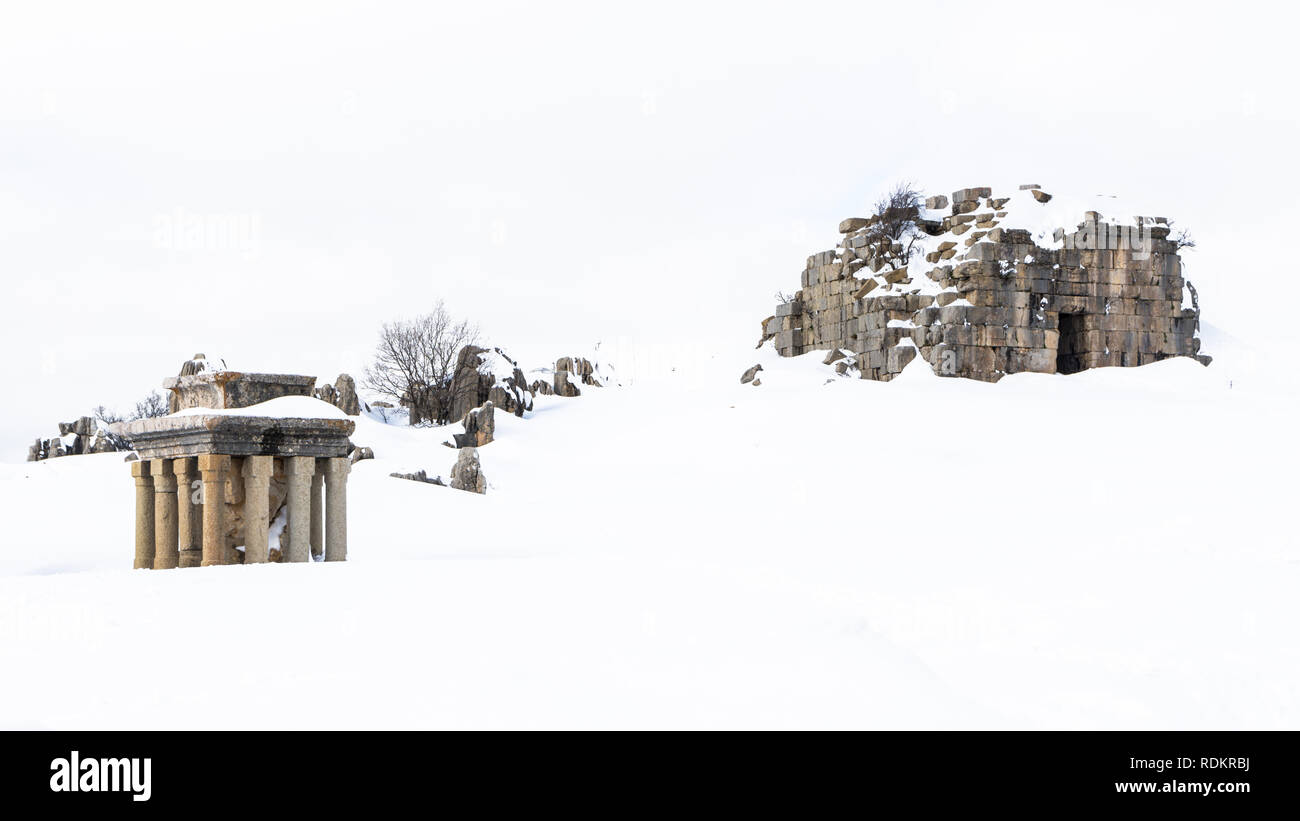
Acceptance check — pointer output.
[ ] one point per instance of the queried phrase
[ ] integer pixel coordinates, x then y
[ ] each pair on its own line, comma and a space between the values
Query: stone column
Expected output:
336, 509
144, 542
257, 488
298, 470
189, 516
165, 555
317, 513
214, 467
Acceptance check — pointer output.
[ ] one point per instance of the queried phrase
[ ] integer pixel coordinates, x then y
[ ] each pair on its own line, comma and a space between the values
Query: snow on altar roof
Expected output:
284, 407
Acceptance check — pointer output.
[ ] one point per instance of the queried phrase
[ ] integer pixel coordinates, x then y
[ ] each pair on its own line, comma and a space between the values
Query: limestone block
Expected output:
971, 194
467, 474
899, 357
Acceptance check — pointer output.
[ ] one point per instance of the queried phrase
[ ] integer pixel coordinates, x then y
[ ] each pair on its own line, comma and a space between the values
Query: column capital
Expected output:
214, 463
337, 468
140, 469
164, 480
300, 465
184, 465
257, 467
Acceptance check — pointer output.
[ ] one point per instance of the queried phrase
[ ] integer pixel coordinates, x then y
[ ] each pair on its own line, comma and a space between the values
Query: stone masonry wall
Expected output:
980, 298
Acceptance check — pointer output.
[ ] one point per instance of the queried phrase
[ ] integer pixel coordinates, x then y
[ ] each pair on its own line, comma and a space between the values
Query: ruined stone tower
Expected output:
989, 286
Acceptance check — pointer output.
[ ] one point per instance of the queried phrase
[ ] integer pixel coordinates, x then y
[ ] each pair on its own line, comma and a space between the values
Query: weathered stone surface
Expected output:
480, 426
562, 385
853, 224
342, 395
236, 496
1006, 304
582, 368
971, 194
145, 544
167, 437
419, 476
232, 389
326, 393
336, 508
345, 387
78, 437
468, 390
748, 376
936, 203
214, 469
468, 473
361, 454
512, 394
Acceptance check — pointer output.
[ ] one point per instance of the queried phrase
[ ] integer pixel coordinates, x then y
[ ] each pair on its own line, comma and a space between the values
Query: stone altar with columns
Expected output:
209, 483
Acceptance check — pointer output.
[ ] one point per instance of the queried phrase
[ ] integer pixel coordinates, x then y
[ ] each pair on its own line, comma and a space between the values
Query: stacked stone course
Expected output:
996, 300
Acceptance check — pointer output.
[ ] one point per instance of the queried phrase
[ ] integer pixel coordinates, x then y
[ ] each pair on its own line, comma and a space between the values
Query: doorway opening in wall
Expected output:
1071, 344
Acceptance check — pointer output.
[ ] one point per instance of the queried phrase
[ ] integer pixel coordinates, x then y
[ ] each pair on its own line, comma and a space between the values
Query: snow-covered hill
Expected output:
1109, 549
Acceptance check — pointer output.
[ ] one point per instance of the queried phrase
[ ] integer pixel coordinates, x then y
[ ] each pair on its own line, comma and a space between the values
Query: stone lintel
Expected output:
171, 437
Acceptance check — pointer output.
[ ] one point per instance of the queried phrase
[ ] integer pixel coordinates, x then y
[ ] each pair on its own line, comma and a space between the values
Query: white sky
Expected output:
566, 173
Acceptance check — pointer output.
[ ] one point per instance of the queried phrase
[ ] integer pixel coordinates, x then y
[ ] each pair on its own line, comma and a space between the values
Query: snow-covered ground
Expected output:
1105, 550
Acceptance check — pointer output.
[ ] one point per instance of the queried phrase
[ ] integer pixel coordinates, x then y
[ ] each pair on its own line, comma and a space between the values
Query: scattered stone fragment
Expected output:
468, 473
345, 395
419, 476
480, 425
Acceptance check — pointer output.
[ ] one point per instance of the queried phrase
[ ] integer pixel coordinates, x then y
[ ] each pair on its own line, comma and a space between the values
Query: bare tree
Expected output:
151, 406
108, 417
417, 356
783, 298
1183, 239
895, 224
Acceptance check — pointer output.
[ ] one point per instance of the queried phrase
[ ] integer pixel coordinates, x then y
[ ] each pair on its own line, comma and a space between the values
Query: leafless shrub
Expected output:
783, 298
417, 356
106, 416
896, 214
151, 406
